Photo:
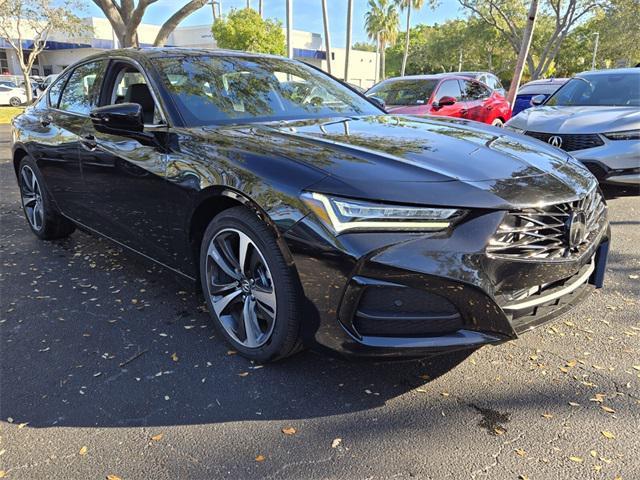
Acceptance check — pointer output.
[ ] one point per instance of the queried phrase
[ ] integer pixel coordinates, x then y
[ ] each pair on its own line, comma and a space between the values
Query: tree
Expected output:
22, 21
408, 5
246, 30
527, 35
125, 17
507, 16
381, 23
364, 46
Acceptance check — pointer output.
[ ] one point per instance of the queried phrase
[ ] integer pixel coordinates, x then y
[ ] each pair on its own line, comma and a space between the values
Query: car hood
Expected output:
577, 119
426, 160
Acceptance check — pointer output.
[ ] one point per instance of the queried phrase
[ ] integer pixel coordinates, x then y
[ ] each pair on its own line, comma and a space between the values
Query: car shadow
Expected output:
612, 192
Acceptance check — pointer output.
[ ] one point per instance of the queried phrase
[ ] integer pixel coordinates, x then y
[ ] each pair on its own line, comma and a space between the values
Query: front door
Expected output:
126, 191
449, 88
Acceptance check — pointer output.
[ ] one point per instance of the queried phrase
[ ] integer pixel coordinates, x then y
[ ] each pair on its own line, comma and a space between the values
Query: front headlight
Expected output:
341, 214
624, 135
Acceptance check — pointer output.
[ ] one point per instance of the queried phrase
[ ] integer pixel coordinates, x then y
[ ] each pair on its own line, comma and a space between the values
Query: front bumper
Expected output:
478, 296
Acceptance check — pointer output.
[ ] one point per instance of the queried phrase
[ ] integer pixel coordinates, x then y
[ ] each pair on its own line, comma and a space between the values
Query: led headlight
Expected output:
341, 214
624, 135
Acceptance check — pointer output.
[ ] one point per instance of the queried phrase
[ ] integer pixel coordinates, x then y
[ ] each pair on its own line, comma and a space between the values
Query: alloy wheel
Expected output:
15, 102
31, 195
241, 288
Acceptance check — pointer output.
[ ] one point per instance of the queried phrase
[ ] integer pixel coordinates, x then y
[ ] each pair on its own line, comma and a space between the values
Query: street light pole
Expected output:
289, 29
348, 46
327, 33
595, 50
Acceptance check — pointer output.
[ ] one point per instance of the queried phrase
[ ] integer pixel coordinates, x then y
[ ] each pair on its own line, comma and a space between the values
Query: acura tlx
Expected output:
309, 216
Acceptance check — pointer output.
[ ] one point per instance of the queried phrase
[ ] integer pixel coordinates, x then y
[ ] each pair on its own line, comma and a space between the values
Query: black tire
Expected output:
285, 337
15, 102
52, 224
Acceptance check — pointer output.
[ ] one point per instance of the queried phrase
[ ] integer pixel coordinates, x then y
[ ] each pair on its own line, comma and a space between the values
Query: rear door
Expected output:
60, 127
477, 98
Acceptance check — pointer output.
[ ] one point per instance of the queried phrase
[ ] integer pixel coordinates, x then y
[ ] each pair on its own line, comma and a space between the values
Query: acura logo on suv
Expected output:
576, 229
555, 140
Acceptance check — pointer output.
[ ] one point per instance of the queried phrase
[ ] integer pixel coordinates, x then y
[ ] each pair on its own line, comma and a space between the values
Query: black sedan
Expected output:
308, 215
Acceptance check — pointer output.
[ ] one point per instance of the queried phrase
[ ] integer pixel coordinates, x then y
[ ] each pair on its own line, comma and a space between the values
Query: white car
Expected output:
10, 94
595, 117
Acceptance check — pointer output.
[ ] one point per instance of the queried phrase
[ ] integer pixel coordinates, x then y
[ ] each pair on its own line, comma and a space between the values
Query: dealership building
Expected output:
62, 51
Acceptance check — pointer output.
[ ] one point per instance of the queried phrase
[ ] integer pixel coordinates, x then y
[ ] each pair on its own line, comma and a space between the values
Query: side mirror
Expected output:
377, 101
120, 119
444, 101
538, 100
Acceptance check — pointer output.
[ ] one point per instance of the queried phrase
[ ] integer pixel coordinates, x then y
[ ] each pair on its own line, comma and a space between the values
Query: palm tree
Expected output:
381, 23
407, 5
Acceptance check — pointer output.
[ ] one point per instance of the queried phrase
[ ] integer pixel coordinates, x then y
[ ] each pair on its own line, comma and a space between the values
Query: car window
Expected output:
212, 89
474, 91
78, 95
449, 88
601, 89
4, 88
54, 91
496, 83
404, 92
131, 86
541, 89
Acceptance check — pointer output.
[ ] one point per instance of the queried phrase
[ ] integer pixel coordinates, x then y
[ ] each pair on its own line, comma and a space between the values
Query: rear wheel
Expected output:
251, 292
15, 102
497, 123
43, 218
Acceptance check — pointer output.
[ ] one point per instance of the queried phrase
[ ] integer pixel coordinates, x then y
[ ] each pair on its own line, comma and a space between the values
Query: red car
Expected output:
451, 96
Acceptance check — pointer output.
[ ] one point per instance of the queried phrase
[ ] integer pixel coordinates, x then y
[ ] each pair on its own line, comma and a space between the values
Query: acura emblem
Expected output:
576, 229
555, 141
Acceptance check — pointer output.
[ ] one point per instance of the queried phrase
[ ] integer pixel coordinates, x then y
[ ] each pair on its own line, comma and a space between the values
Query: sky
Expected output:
307, 15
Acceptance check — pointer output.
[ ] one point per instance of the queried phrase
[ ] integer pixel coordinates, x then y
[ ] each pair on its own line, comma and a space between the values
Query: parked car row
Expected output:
310, 216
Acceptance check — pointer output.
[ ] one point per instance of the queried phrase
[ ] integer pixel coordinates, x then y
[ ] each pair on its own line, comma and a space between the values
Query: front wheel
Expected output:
497, 123
15, 102
252, 294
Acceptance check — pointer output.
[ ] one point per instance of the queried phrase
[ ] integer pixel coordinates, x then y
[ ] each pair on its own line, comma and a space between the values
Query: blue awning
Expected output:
54, 45
306, 53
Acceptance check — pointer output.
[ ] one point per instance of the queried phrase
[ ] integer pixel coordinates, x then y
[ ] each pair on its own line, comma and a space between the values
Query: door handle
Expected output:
463, 111
489, 107
89, 142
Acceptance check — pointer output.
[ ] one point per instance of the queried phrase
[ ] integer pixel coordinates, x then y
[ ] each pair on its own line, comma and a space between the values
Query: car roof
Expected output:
610, 71
434, 76
158, 52
546, 81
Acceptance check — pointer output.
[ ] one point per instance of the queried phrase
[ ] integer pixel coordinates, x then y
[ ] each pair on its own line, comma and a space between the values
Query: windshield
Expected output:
404, 92
539, 89
237, 89
615, 89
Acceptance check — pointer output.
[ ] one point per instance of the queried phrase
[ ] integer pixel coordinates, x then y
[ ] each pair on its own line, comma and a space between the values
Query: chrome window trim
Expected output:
71, 69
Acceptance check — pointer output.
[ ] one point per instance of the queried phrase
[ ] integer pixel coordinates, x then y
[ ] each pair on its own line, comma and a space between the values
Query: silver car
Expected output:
596, 117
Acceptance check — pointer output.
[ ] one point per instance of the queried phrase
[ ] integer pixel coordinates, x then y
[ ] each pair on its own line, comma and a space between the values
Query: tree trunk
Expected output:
327, 37
27, 84
175, 19
527, 35
382, 60
406, 40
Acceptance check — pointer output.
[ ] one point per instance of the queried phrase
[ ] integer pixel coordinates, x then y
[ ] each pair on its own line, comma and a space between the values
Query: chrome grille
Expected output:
570, 142
543, 233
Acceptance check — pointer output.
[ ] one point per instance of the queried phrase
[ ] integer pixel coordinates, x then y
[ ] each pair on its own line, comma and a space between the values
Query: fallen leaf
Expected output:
83, 450
174, 357
445, 394
598, 397
593, 453
523, 477
336, 442
231, 352
547, 415
22, 425
576, 459
636, 367
260, 458
608, 434
499, 431
597, 468
243, 374
113, 477
158, 437
3, 474
608, 409
289, 431
574, 404
520, 452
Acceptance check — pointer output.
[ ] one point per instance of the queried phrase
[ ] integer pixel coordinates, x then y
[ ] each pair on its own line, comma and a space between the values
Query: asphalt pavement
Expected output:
110, 366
